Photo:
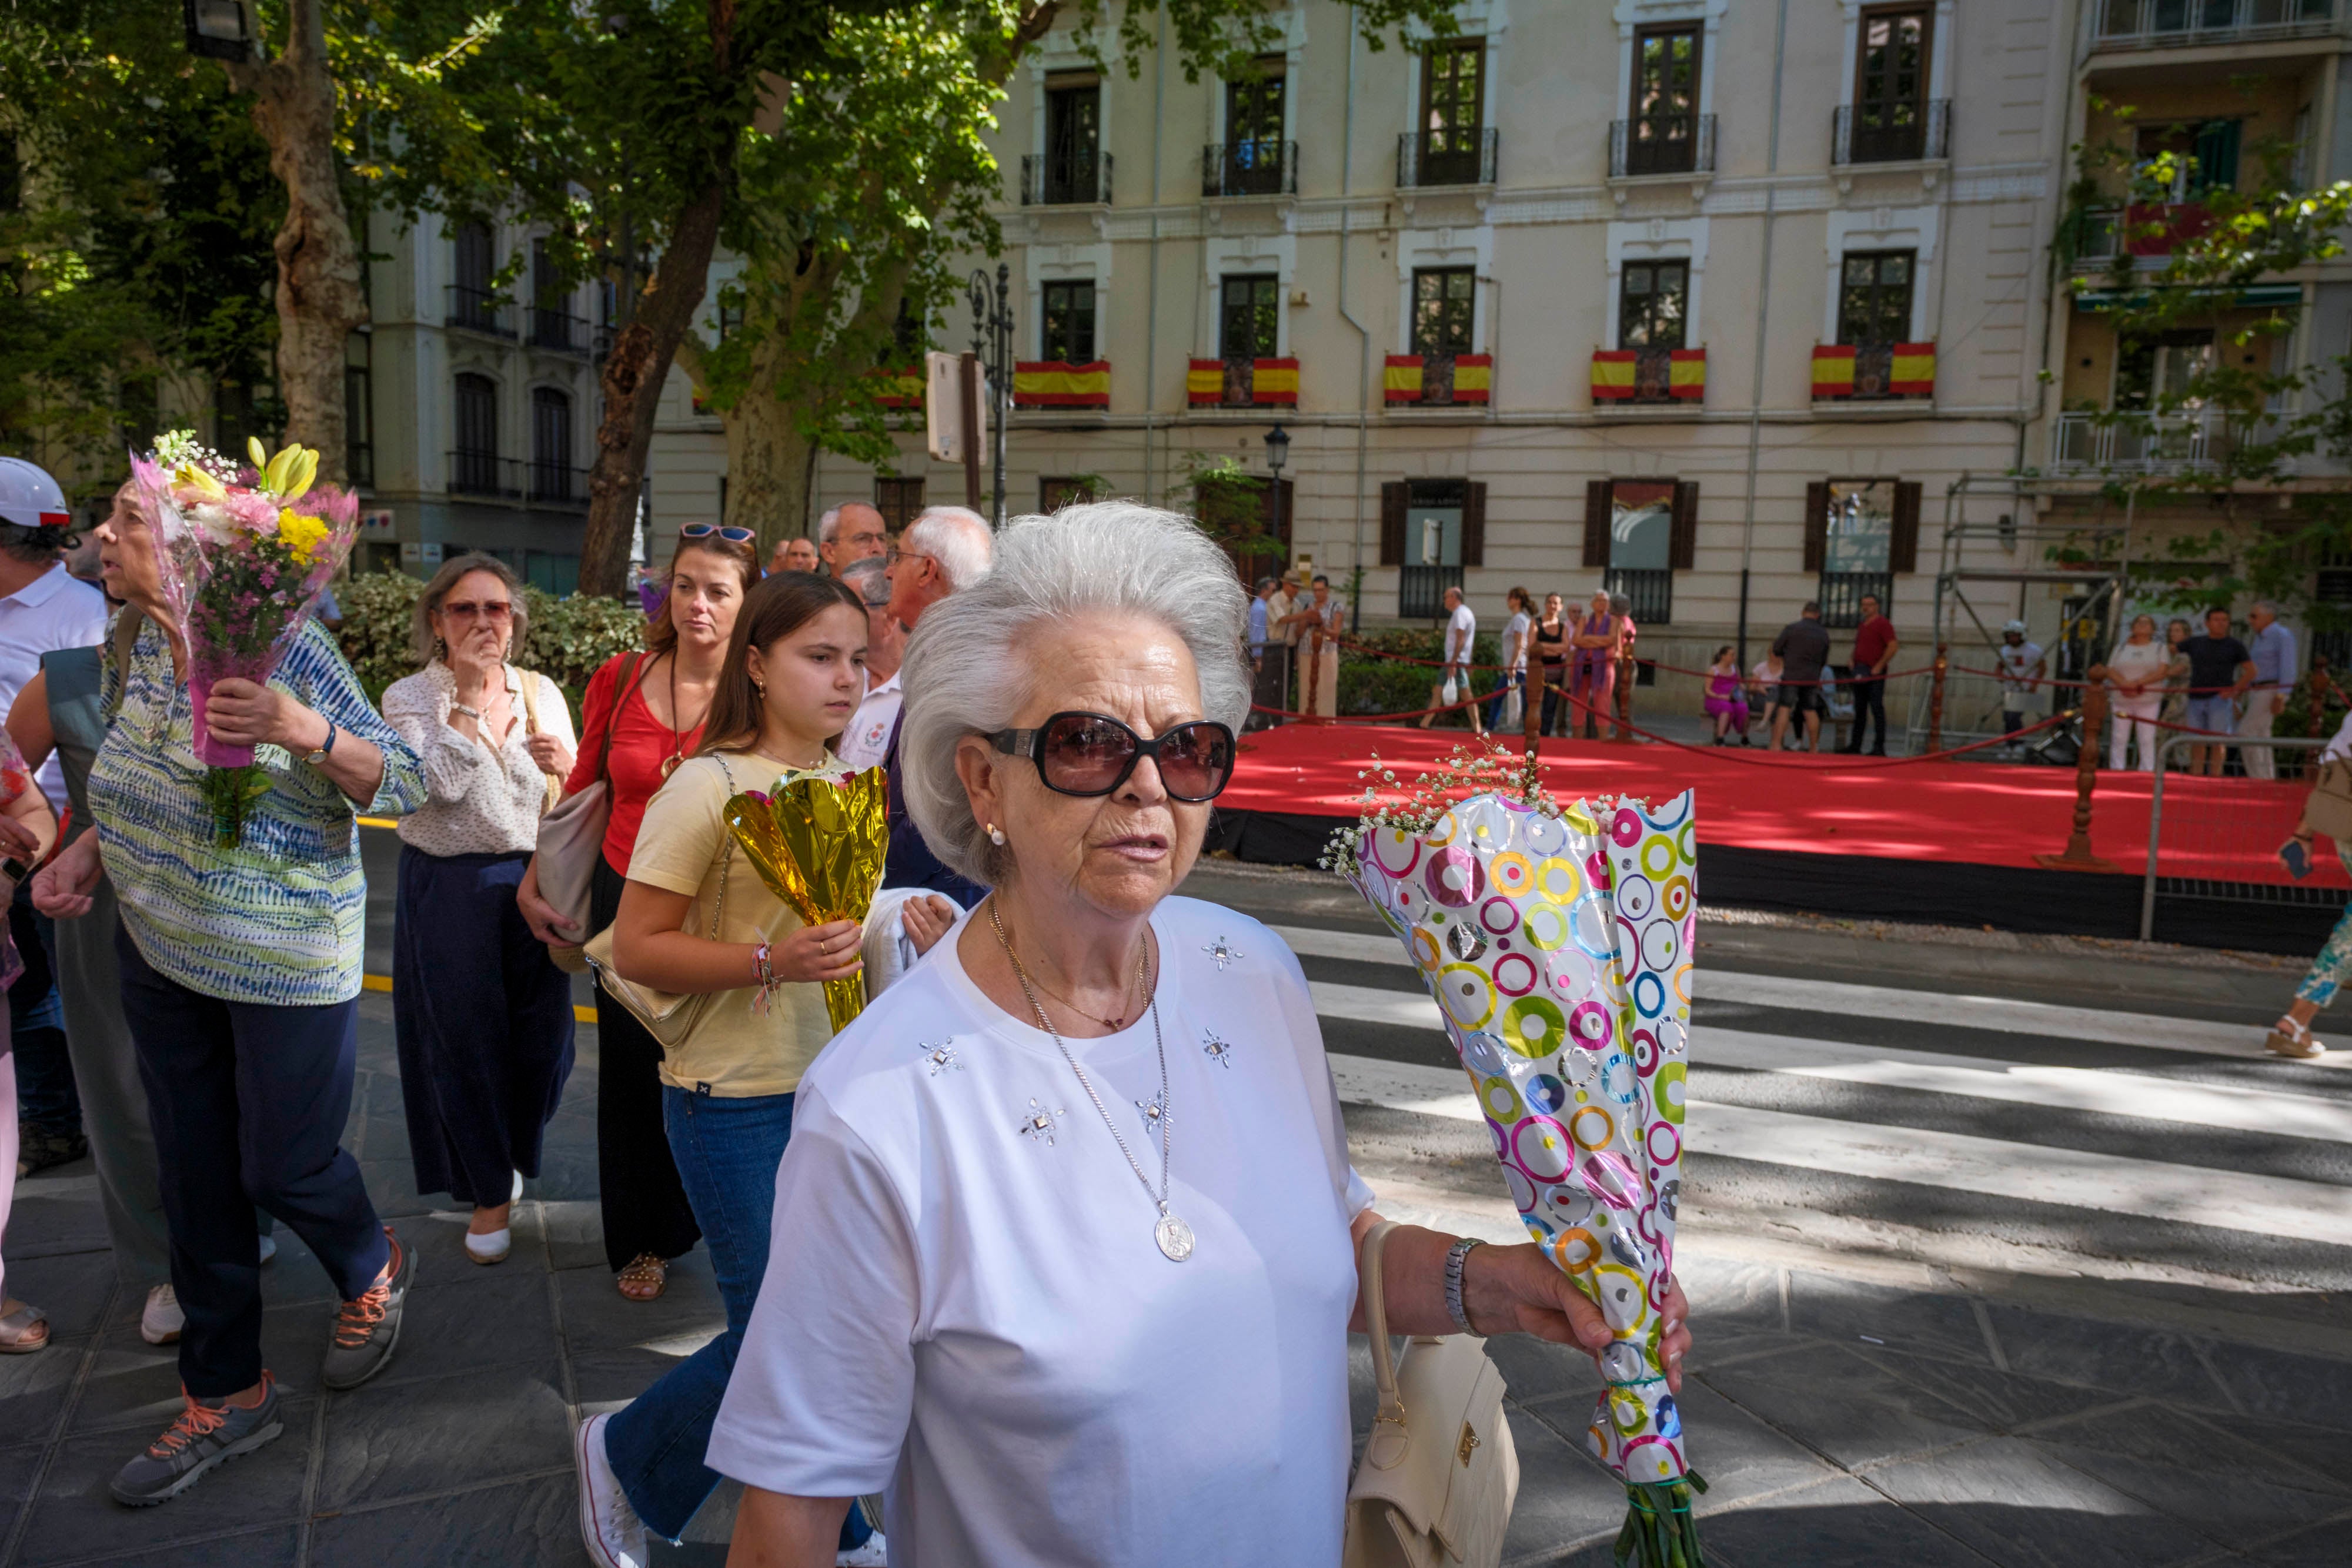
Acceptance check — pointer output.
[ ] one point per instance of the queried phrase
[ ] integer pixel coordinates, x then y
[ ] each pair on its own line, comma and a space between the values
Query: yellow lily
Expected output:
198, 480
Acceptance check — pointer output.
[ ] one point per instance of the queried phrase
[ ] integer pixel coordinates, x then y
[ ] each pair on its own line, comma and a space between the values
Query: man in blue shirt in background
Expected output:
2272, 647
1266, 694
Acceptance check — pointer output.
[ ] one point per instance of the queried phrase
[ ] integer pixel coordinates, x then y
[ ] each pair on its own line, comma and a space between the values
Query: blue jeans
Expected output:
727, 1155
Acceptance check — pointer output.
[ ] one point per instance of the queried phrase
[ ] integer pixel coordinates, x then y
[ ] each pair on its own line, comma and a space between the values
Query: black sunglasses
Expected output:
1092, 754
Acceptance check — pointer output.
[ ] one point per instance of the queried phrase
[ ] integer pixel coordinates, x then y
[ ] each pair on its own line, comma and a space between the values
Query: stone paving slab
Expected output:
1841, 1418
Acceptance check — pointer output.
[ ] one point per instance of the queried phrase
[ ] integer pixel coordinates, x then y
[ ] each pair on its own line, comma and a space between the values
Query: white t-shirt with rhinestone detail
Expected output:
965, 1308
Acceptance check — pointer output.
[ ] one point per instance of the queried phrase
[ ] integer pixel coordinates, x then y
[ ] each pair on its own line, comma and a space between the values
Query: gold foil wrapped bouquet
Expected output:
819, 846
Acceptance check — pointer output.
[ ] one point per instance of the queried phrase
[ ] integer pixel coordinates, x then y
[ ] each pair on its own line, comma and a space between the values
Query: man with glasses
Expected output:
851, 531
945, 549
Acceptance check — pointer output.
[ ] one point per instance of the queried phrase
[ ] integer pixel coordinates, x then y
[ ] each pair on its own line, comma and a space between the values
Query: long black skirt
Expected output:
636, 1175
483, 1019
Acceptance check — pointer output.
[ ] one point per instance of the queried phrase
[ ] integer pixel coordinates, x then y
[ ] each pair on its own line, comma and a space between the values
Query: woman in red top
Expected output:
664, 695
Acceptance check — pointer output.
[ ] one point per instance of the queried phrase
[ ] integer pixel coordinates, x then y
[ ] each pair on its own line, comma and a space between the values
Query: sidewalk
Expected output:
1848, 1405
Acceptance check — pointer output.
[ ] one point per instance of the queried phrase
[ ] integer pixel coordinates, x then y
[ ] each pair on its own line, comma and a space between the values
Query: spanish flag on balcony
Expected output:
1474, 377
1400, 380
1613, 375
1273, 380
899, 389
1915, 370
1833, 370
1204, 382
1687, 378
1056, 383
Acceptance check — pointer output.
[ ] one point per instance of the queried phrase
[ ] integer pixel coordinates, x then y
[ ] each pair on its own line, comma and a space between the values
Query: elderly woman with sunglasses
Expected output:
481, 1014
1063, 1248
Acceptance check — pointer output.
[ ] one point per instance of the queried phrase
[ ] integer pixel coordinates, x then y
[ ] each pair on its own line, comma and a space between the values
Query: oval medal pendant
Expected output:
1175, 1237
670, 764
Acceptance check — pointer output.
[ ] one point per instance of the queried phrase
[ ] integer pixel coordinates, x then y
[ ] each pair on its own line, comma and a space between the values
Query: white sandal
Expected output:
2290, 1038
24, 1331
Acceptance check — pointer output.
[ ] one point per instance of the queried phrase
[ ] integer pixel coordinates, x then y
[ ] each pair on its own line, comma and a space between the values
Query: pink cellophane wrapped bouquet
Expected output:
1556, 941
245, 553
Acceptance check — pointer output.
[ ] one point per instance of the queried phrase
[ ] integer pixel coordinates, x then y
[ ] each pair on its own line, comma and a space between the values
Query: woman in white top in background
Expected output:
1063, 1253
482, 1016
2137, 671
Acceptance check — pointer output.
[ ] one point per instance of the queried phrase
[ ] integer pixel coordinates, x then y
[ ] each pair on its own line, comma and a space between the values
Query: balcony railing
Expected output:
1421, 591
517, 479
1242, 383
2172, 24
1871, 372
1462, 157
1840, 594
1065, 179
1260, 167
2082, 442
477, 309
558, 330
1662, 144
1649, 375
1891, 132
1650, 589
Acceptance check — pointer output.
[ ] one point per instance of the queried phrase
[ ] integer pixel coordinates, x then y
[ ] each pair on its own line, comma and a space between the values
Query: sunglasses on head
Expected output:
1092, 754
704, 530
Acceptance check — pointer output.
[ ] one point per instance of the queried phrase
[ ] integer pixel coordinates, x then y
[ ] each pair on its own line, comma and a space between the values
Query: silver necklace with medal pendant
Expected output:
1171, 1234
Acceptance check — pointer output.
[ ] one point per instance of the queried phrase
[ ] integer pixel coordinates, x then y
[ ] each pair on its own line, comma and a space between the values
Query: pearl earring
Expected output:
995, 834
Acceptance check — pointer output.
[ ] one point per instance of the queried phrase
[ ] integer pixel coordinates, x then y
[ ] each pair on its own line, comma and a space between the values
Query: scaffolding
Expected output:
1980, 553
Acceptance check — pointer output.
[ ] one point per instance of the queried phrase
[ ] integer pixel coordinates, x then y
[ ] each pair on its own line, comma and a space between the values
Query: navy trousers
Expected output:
248, 1102
483, 1019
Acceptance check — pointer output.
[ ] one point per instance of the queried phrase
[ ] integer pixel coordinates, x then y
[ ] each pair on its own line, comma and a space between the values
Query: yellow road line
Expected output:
383, 982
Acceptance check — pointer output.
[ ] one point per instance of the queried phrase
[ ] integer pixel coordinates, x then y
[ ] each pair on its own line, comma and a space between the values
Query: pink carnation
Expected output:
255, 510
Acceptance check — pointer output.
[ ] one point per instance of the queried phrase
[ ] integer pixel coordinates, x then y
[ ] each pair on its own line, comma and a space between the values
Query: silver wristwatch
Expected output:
1454, 1255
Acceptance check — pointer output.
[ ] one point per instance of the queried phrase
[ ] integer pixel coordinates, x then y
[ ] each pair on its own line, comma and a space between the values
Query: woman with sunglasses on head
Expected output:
642, 717
482, 1016
1063, 1253
696, 919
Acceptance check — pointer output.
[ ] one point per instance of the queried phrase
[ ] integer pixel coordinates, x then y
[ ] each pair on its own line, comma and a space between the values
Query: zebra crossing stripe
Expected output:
2028, 1173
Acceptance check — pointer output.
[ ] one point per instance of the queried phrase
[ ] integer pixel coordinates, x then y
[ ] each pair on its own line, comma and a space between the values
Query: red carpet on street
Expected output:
1965, 812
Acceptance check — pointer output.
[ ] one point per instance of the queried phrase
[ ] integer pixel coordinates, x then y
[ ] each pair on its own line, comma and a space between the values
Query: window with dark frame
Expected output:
1653, 304
1874, 297
1453, 111
1890, 89
1250, 160
2204, 154
473, 463
1073, 139
1056, 491
1444, 310
899, 501
1664, 136
473, 264
1248, 323
1065, 321
551, 444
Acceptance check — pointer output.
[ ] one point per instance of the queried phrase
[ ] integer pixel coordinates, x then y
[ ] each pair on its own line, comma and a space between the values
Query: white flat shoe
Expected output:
161, 1320
491, 1246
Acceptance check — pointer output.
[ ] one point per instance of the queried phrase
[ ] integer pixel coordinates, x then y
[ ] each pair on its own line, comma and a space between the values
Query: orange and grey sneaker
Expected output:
202, 1437
369, 1325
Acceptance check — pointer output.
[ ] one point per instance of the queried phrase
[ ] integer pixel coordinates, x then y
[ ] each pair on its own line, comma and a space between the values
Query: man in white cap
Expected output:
43, 609
2022, 670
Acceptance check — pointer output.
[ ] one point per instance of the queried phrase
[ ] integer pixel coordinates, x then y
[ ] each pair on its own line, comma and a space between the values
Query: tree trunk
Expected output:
320, 296
766, 467
634, 373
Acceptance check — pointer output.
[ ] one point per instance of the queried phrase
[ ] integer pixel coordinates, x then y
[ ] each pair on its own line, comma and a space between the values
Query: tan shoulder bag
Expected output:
2328, 808
1440, 1472
670, 1018
530, 727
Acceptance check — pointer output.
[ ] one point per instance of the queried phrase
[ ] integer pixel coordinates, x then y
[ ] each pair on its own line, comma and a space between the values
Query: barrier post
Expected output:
1627, 671
1531, 690
1936, 700
2077, 855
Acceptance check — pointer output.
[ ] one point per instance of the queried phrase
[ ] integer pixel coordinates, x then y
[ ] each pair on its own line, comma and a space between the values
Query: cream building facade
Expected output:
1744, 182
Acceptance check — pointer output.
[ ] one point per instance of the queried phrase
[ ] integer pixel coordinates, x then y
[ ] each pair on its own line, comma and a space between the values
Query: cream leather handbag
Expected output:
1439, 1472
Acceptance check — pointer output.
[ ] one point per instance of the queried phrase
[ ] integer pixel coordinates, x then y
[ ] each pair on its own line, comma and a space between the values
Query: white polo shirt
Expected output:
867, 739
56, 610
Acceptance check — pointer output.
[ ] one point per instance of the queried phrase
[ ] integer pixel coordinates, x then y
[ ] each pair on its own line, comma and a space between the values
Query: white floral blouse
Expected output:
478, 801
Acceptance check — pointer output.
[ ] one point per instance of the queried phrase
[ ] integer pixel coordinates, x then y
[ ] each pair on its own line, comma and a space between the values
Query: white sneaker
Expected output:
609, 1526
161, 1320
874, 1554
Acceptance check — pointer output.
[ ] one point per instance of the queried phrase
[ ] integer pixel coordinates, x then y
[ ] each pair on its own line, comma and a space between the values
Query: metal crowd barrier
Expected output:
2197, 834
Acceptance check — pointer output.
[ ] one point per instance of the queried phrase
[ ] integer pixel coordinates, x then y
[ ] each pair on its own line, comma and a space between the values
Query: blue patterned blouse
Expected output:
279, 919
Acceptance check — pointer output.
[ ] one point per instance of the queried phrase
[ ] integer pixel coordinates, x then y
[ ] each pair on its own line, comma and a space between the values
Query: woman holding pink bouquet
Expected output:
1065, 1245
241, 961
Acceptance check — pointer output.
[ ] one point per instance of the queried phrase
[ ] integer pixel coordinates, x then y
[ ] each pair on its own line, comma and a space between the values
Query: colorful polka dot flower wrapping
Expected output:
1556, 942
